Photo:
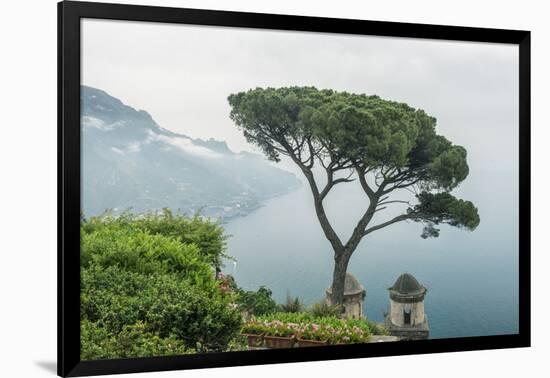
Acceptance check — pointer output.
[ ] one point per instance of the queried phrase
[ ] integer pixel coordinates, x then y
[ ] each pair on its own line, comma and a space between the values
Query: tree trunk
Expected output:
342, 253
341, 261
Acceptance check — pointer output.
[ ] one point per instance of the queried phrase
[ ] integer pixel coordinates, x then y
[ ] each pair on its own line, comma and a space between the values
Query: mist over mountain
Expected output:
129, 161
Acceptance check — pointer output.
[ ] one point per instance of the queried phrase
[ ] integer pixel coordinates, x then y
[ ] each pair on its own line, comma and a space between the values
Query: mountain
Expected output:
129, 161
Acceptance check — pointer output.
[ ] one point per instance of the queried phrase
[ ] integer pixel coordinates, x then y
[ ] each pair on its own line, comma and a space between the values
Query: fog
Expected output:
183, 74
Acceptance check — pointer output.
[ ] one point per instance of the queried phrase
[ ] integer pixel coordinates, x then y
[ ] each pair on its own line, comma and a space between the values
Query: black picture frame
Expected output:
69, 16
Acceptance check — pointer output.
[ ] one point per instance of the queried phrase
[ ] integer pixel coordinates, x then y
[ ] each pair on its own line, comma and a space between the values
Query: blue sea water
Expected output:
472, 277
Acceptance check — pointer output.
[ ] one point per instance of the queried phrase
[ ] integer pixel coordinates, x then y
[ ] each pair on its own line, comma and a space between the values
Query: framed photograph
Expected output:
240, 188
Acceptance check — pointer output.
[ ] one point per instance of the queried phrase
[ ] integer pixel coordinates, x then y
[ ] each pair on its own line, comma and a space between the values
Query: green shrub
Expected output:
202, 318
272, 328
288, 317
133, 341
376, 329
315, 332
237, 344
137, 283
137, 251
256, 302
292, 305
205, 234
322, 308
254, 327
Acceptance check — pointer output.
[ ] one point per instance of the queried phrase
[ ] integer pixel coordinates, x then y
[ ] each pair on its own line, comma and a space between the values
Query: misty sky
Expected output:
183, 74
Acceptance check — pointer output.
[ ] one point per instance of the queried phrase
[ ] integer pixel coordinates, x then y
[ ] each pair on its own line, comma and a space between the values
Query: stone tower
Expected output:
406, 318
354, 297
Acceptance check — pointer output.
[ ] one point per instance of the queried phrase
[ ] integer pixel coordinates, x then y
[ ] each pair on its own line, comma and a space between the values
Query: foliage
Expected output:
289, 317
135, 250
269, 328
202, 318
316, 332
439, 208
322, 308
133, 341
238, 344
292, 304
280, 329
257, 302
365, 129
374, 328
334, 333
204, 234
393, 143
308, 326
134, 279
254, 327
309, 317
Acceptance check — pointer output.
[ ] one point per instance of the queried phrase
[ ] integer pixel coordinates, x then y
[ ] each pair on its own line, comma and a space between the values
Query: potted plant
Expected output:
313, 335
279, 335
254, 333
349, 334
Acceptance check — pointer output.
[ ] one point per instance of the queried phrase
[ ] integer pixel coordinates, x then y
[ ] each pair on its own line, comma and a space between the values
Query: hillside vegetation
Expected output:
148, 287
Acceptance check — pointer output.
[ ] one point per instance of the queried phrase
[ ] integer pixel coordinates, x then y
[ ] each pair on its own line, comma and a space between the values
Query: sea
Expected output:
471, 276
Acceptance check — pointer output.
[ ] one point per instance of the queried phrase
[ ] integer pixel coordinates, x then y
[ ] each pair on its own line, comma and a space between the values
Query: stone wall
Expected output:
417, 332
353, 309
397, 313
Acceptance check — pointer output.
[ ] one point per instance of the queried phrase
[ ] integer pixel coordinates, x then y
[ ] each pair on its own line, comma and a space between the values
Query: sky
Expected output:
182, 75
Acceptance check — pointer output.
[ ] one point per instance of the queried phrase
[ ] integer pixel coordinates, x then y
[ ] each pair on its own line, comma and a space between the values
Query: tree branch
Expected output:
357, 234
399, 218
327, 228
394, 201
331, 184
402, 186
361, 173
330, 169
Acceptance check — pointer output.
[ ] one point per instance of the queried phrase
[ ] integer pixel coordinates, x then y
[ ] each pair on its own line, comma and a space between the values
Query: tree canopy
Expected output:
356, 134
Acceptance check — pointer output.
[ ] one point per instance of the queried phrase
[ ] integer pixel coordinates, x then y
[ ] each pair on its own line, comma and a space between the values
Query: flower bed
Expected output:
309, 330
254, 333
276, 334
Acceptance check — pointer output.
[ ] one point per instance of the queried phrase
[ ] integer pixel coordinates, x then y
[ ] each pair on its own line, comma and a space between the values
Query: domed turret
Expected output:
406, 289
406, 317
354, 295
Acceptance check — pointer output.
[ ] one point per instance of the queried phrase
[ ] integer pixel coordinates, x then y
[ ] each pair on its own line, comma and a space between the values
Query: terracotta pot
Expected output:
254, 340
310, 343
278, 342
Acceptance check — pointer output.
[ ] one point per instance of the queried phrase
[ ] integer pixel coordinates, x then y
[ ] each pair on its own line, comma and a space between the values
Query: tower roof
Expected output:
351, 285
406, 284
